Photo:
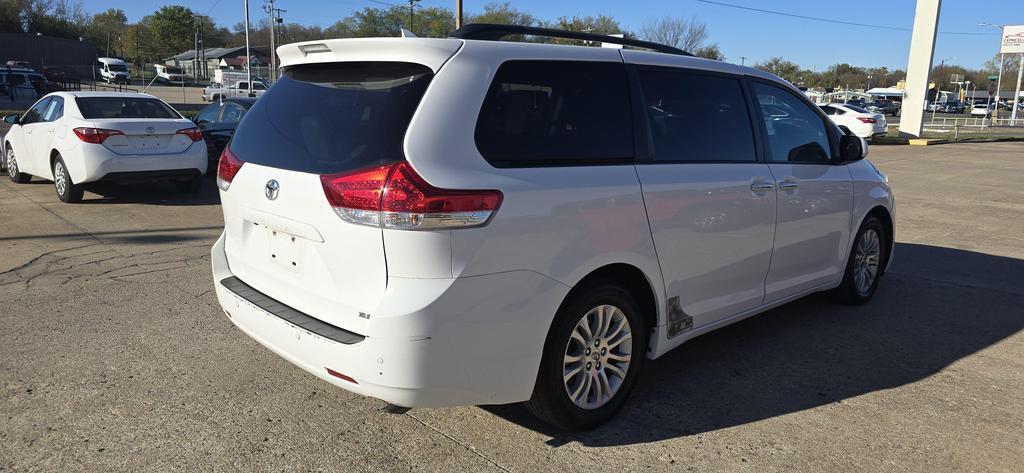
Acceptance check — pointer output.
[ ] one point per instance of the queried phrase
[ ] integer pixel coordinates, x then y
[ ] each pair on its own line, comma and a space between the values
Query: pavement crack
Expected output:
457, 441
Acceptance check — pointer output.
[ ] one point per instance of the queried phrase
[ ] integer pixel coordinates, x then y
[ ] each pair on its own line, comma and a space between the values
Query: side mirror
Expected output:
852, 148
11, 119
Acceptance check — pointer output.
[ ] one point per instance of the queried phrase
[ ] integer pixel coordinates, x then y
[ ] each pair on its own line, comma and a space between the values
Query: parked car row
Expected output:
441, 222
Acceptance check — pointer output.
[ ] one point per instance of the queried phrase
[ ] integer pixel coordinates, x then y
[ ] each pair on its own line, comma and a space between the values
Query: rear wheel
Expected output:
67, 190
12, 168
866, 264
593, 354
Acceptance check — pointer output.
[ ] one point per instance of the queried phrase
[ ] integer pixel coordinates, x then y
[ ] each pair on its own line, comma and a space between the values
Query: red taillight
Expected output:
227, 168
95, 135
394, 196
866, 119
193, 133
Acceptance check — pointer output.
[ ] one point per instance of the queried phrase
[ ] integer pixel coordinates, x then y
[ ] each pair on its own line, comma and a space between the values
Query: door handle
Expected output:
789, 185
761, 186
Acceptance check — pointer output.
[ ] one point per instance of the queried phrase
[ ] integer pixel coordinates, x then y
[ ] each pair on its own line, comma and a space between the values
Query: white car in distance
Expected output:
860, 121
74, 138
440, 222
982, 110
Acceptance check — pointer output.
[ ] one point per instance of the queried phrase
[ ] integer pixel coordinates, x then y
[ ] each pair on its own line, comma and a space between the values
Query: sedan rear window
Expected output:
96, 108
334, 117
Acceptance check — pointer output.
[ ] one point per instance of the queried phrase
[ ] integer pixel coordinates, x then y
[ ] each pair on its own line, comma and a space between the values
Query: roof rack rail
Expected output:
495, 32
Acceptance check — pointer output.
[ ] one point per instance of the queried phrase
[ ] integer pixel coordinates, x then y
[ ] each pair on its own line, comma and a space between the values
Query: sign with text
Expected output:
1013, 40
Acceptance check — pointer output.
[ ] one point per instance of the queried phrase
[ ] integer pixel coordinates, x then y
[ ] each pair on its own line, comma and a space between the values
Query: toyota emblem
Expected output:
150, 130
272, 189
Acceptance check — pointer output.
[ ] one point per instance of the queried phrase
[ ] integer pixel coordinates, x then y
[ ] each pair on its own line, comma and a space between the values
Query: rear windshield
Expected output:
328, 118
856, 109
124, 107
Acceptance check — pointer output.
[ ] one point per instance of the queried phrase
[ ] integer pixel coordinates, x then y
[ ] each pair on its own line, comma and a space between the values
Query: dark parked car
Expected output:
885, 107
954, 107
218, 122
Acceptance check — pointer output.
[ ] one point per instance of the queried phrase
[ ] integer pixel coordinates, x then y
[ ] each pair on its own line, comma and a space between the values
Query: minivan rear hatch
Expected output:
282, 236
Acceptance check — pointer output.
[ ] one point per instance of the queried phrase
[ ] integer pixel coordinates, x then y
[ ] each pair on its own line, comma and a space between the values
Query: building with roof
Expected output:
211, 59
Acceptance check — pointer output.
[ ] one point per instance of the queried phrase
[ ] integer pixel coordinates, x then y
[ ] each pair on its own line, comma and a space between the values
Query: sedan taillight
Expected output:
194, 133
95, 135
866, 119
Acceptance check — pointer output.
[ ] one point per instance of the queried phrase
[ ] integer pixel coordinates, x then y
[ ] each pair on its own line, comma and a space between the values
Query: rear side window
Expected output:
329, 118
695, 117
551, 113
124, 107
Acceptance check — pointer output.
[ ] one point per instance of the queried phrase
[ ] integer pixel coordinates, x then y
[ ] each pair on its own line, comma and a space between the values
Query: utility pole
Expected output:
458, 14
412, 4
268, 6
743, 60
108, 44
248, 57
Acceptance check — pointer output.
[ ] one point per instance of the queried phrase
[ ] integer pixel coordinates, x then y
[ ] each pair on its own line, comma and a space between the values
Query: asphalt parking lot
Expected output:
115, 356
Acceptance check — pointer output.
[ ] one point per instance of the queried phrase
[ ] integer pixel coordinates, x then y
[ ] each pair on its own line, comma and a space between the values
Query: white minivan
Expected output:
465, 221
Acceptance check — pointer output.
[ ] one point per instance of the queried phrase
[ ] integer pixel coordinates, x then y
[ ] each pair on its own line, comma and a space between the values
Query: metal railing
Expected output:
978, 122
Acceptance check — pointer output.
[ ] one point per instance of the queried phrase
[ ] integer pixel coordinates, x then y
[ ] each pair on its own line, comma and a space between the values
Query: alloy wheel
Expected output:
12, 165
597, 357
866, 260
60, 178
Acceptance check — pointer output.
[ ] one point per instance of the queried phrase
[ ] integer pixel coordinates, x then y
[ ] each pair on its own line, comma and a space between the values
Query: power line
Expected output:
828, 20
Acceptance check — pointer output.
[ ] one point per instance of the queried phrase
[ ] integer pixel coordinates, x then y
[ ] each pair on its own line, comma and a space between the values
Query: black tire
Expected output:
851, 291
190, 186
11, 166
551, 401
67, 191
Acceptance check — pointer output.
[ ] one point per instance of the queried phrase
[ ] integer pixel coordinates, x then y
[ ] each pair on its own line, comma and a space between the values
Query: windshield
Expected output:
117, 67
173, 70
328, 118
124, 107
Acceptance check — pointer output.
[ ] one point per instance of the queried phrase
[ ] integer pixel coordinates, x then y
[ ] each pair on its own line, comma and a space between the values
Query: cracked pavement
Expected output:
115, 356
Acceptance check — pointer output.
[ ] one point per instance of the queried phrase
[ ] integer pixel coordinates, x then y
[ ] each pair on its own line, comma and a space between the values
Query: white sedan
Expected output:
861, 122
73, 138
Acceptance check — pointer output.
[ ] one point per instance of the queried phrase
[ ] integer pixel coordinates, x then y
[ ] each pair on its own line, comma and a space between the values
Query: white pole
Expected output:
1016, 94
999, 85
919, 65
248, 58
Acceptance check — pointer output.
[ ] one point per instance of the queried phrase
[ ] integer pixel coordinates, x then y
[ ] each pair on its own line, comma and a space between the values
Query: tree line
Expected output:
170, 30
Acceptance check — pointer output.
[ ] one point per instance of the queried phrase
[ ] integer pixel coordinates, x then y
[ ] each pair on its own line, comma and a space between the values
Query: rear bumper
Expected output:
430, 343
99, 163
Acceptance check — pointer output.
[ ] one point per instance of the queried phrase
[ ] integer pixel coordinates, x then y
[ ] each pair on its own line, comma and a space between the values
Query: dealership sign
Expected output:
1013, 40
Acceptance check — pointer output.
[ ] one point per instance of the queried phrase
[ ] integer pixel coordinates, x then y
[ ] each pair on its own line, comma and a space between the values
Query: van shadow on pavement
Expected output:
935, 306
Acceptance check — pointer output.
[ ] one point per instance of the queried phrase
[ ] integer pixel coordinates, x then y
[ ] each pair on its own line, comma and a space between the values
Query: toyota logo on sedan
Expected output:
272, 189
150, 130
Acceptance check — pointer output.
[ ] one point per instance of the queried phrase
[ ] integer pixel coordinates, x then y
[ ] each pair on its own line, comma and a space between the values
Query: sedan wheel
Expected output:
67, 190
12, 168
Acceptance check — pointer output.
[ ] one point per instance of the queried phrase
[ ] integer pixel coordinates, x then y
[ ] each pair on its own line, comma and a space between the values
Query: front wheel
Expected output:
866, 264
67, 190
594, 351
11, 163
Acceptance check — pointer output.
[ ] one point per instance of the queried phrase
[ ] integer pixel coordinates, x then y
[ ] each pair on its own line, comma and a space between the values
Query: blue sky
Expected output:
755, 35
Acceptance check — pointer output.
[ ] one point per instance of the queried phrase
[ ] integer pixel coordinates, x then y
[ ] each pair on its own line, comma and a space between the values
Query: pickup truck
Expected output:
237, 90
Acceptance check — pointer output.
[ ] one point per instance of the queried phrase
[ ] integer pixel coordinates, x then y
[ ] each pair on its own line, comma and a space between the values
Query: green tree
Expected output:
171, 30
109, 24
504, 14
10, 16
710, 51
787, 70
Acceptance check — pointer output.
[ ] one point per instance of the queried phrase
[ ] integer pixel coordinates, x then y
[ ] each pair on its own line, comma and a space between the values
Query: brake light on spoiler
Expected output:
394, 196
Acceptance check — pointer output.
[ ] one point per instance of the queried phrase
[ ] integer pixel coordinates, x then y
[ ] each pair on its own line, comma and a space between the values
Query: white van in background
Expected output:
167, 74
113, 70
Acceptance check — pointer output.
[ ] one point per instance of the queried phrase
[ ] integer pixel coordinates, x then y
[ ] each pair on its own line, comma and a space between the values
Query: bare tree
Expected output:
688, 35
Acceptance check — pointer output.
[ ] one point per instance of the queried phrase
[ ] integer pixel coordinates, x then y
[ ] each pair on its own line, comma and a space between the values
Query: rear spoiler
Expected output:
430, 52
